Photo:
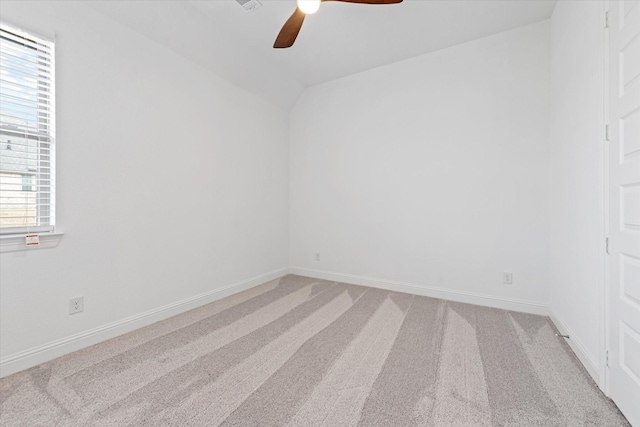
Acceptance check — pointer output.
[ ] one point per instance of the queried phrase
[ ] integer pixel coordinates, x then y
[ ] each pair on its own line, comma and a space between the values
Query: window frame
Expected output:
43, 182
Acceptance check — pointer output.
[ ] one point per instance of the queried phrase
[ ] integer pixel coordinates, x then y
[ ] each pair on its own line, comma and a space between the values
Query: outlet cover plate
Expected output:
507, 278
76, 305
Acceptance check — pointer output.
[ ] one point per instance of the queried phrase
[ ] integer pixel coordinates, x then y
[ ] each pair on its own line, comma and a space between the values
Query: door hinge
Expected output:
606, 245
606, 358
606, 132
606, 19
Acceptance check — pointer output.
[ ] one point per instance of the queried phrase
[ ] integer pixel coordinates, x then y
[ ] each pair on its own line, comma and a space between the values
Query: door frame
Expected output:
605, 307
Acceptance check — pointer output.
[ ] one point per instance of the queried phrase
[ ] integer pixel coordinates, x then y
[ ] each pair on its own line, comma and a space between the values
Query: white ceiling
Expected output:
339, 40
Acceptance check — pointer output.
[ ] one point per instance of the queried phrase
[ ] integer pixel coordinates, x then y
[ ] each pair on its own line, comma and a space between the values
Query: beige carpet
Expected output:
305, 352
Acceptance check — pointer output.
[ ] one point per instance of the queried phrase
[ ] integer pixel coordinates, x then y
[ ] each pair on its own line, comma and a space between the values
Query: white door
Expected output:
624, 203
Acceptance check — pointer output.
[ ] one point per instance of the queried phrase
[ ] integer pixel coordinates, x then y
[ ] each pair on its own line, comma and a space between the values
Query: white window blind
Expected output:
27, 133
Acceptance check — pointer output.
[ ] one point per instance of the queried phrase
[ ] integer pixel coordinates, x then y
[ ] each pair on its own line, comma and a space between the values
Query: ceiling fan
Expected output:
291, 28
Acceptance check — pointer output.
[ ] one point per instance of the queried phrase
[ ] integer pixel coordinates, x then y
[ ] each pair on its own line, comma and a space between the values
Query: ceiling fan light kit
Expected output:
308, 6
291, 28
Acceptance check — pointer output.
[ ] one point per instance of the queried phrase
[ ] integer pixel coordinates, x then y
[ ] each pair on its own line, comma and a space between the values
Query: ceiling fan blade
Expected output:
369, 1
290, 30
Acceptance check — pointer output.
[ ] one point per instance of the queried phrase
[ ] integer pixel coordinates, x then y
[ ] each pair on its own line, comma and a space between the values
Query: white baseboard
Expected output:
34, 356
430, 291
578, 348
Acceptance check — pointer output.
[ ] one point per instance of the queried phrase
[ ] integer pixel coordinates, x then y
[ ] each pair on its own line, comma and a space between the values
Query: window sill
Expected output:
16, 242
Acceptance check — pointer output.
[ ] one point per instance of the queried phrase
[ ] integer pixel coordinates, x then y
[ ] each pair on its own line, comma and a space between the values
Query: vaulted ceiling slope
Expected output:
339, 40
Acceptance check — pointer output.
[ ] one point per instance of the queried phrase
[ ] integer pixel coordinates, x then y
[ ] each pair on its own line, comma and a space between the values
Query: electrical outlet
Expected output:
76, 305
317, 256
507, 278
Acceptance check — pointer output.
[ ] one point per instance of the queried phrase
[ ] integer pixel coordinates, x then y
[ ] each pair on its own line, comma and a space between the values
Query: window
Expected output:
27, 132
26, 183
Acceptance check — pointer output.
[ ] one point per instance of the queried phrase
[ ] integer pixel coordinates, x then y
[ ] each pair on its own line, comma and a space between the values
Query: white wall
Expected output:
432, 171
171, 183
576, 176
